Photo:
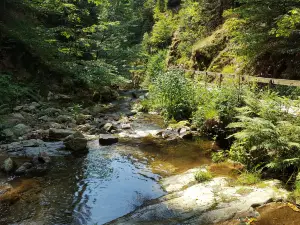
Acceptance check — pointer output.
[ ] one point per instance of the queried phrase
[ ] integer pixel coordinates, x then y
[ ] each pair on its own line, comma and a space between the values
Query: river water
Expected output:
109, 182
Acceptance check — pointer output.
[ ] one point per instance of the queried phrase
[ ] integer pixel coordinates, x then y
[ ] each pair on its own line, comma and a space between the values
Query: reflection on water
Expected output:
105, 185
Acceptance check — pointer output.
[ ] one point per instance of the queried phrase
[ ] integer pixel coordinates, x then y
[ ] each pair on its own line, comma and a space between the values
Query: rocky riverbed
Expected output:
107, 163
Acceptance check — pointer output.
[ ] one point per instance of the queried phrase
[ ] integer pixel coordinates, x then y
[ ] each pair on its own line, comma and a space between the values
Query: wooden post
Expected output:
221, 79
205, 79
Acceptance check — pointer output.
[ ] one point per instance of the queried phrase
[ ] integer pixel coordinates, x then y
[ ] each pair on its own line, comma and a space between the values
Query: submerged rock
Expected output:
76, 142
24, 168
107, 139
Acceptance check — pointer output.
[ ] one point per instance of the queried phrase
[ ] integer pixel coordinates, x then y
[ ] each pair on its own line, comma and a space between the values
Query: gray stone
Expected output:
64, 119
18, 108
9, 165
24, 168
18, 116
126, 126
107, 139
59, 134
108, 127
45, 118
21, 129
76, 143
52, 111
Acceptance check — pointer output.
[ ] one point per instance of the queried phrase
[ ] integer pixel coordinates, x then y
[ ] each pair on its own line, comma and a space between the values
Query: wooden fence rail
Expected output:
245, 78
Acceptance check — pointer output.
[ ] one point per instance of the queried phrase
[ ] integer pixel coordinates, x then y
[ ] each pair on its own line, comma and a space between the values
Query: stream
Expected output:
107, 183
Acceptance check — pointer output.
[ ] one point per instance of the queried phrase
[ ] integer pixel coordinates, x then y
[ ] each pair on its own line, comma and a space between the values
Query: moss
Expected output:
248, 178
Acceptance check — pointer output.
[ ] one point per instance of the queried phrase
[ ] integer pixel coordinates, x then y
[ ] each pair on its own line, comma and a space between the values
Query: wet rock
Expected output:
59, 134
9, 165
107, 139
8, 133
42, 158
108, 127
17, 116
76, 143
187, 135
126, 126
130, 113
21, 129
52, 111
81, 118
18, 108
84, 127
45, 118
55, 125
32, 107
36, 134
24, 168
204, 203
64, 119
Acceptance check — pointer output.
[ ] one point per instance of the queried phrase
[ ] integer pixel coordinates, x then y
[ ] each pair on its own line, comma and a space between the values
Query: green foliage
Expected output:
267, 133
202, 176
173, 94
156, 64
248, 178
94, 41
10, 91
216, 108
218, 157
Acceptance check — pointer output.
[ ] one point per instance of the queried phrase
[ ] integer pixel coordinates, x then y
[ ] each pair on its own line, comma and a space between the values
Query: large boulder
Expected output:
107, 139
9, 165
59, 134
107, 94
76, 143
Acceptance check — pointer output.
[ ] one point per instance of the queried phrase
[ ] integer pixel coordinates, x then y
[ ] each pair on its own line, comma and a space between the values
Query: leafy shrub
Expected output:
267, 133
218, 157
155, 65
174, 95
202, 176
216, 109
10, 91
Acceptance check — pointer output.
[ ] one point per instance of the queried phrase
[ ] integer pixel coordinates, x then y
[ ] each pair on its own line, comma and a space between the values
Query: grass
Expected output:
202, 176
248, 178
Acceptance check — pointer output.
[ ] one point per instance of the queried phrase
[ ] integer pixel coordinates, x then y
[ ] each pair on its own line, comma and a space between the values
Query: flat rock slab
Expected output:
204, 203
107, 139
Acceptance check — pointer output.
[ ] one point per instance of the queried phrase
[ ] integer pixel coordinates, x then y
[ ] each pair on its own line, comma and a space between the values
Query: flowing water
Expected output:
109, 182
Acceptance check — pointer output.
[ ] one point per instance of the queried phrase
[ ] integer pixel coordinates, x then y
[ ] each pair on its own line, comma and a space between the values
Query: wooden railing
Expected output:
242, 78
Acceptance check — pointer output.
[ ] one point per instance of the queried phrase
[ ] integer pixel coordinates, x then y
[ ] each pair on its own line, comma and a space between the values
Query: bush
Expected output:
174, 95
218, 157
10, 91
216, 109
155, 65
267, 133
202, 176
